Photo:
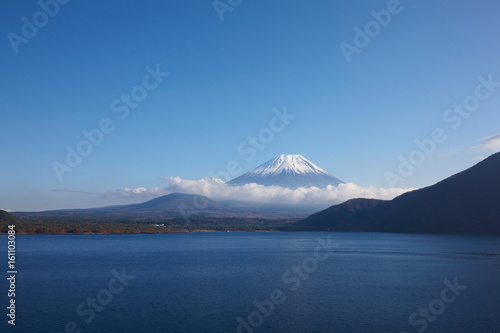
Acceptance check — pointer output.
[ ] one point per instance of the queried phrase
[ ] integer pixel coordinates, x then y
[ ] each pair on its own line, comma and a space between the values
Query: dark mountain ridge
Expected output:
467, 202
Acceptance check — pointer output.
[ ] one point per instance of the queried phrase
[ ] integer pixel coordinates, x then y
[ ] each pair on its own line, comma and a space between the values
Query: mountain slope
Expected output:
290, 171
352, 215
468, 202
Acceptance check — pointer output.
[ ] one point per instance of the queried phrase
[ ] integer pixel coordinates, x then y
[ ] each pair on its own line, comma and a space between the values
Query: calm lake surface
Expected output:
204, 282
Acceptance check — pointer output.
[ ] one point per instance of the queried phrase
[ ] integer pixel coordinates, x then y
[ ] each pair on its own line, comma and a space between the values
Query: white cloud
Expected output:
490, 144
217, 190
138, 192
7, 210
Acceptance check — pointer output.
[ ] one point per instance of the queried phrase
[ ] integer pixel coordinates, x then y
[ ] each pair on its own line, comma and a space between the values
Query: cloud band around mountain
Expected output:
217, 190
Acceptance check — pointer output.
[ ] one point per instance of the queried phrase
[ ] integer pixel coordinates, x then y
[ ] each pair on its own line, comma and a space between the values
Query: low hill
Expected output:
170, 205
175, 205
7, 218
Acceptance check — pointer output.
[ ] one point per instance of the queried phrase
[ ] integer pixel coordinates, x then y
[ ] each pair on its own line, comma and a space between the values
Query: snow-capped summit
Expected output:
290, 171
295, 164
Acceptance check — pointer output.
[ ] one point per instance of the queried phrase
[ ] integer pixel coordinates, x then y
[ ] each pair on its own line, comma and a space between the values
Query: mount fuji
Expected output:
291, 171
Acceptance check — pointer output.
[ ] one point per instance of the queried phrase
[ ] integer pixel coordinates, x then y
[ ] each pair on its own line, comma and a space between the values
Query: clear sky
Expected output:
353, 119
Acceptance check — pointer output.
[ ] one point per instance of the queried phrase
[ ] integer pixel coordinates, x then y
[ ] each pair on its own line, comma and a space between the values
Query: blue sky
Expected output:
225, 78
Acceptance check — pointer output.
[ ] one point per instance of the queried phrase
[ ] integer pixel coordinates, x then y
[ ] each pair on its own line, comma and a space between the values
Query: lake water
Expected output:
216, 282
